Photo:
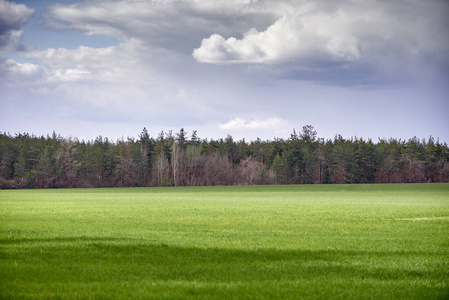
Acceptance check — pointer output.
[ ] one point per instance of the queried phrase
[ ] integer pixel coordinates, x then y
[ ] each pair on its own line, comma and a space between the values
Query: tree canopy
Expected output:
28, 161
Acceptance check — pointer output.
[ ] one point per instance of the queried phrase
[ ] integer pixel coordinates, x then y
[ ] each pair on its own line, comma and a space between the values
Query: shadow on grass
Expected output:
58, 240
86, 267
87, 258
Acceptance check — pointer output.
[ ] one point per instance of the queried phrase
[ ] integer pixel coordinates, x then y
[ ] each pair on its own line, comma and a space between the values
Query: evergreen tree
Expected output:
28, 161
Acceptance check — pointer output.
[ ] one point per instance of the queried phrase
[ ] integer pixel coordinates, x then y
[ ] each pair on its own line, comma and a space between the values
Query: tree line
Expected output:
177, 159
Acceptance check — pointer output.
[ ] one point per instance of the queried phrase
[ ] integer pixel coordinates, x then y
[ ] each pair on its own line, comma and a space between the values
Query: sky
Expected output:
248, 68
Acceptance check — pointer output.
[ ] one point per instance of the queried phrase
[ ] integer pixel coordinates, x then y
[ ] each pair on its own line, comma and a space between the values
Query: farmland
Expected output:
287, 241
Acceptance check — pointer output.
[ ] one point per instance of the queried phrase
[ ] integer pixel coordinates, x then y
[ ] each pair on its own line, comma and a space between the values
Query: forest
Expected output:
177, 159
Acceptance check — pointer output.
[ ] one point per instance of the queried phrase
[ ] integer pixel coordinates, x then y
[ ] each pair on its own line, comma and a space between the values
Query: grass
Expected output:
303, 241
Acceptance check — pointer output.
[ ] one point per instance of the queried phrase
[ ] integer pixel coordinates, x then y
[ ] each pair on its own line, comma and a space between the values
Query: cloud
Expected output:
392, 39
25, 69
153, 74
12, 17
321, 41
14, 74
273, 124
129, 81
146, 75
175, 25
294, 37
109, 64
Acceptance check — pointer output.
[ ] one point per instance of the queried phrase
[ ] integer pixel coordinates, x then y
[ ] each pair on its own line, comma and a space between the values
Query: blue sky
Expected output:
371, 69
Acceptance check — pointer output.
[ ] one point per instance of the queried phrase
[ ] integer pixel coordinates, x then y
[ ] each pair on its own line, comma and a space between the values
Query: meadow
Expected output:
244, 242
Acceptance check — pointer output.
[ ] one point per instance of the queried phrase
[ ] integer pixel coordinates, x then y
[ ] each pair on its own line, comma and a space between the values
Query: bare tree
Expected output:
253, 172
162, 169
193, 159
177, 161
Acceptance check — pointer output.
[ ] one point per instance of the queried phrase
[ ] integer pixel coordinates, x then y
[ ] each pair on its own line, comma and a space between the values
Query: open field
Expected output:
311, 241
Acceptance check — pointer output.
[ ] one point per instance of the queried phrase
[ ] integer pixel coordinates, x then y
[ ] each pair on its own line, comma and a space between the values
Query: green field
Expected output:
302, 241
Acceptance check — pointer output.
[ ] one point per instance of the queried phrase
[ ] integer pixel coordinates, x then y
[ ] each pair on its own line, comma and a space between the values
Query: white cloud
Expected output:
293, 37
12, 17
25, 69
273, 124
390, 38
16, 75
110, 64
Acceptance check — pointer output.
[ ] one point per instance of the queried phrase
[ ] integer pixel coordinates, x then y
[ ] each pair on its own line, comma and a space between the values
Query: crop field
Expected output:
257, 242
